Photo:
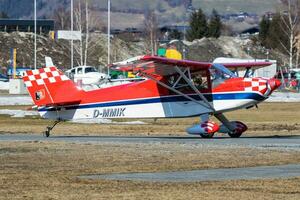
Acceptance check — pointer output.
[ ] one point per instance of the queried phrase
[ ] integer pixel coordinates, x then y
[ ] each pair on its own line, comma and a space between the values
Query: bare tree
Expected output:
290, 26
78, 26
151, 28
62, 18
85, 21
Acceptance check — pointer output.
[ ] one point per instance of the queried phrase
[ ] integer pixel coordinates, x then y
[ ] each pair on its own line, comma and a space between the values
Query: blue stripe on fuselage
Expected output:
168, 99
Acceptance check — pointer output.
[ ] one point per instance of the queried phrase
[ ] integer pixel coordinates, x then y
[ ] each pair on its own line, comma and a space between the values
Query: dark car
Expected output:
3, 78
285, 78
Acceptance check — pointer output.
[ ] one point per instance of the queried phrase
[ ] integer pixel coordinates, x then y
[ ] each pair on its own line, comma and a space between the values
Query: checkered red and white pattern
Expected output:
43, 76
255, 84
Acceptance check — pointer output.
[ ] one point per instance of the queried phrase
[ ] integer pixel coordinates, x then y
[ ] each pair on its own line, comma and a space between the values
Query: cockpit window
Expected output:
219, 74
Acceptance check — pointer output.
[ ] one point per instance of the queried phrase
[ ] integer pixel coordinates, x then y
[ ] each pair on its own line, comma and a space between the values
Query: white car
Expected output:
86, 75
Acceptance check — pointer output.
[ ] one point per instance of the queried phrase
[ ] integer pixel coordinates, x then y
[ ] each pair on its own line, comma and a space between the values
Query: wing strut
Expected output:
205, 104
194, 87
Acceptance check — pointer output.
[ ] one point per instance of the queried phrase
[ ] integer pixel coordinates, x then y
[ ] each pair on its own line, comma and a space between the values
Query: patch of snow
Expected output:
18, 113
4, 85
284, 97
15, 100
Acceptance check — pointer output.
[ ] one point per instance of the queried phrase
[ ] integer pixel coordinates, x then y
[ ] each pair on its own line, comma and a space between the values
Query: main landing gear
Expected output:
49, 128
233, 128
207, 128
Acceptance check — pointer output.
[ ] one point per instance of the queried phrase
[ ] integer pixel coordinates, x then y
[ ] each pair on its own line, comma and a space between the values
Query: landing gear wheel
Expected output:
207, 136
49, 128
47, 133
235, 134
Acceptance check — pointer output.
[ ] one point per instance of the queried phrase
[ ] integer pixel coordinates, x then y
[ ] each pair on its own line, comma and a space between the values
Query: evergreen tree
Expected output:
215, 25
198, 24
264, 27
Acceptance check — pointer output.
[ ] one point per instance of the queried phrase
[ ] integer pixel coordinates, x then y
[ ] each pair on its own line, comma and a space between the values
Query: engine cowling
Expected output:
205, 129
239, 128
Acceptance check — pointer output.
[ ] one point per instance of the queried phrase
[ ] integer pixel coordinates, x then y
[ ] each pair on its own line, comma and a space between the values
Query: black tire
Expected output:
235, 135
47, 133
207, 136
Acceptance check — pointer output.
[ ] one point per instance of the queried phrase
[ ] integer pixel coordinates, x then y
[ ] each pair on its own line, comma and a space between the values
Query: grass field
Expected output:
48, 171
235, 6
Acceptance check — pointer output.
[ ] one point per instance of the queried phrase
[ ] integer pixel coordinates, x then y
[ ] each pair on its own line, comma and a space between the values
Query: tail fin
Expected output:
49, 62
50, 87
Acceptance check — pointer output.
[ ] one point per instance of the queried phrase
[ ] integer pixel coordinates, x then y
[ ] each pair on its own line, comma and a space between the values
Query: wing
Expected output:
163, 66
243, 66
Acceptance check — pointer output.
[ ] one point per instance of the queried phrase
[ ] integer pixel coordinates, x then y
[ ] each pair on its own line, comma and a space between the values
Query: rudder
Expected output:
50, 87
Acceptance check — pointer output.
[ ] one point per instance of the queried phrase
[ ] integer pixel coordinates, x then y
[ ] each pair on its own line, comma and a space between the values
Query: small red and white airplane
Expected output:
171, 89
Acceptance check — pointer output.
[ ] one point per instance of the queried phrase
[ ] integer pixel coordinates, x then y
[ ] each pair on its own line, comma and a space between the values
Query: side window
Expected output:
79, 70
73, 71
200, 80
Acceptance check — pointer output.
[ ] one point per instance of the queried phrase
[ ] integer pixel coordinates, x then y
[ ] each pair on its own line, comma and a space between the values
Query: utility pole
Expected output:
108, 36
72, 29
35, 26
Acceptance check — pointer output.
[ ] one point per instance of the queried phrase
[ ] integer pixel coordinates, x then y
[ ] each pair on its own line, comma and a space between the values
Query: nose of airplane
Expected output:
274, 84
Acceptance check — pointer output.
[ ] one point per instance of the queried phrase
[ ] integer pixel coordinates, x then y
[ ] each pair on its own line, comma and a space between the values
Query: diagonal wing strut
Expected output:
205, 102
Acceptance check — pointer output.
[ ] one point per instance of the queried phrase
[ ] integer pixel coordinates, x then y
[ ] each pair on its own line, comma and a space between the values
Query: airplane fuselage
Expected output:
142, 100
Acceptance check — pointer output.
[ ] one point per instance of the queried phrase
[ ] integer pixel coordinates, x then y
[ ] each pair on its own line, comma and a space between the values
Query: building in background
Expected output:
18, 25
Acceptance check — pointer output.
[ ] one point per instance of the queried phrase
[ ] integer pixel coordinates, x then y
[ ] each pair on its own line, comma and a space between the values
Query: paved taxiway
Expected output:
249, 173
268, 142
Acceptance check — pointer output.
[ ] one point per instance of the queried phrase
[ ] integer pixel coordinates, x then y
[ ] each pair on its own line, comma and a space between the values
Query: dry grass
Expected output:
269, 119
42, 170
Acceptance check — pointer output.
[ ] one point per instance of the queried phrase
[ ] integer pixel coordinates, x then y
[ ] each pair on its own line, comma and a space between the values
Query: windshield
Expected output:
90, 69
219, 74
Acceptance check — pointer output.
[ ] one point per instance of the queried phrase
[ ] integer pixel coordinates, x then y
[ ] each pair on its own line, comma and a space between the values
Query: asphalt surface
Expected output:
251, 173
267, 142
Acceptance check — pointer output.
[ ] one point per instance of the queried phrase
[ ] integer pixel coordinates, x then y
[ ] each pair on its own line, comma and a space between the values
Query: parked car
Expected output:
285, 78
3, 78
19, 71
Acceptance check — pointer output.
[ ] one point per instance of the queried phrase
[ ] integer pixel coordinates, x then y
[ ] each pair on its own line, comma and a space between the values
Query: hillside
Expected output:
206, 49
24, 8
59, 50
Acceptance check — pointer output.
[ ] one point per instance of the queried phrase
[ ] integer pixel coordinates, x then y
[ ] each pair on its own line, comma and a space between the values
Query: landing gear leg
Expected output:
49, 128
225, 121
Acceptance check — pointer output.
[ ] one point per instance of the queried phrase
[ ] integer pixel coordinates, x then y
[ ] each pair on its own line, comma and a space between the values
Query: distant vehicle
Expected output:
20, 71
3, 78
284, 77
86, 74
115, 31
132, 30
